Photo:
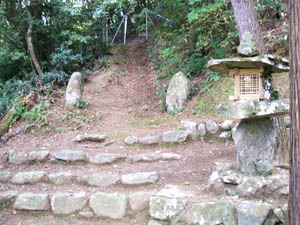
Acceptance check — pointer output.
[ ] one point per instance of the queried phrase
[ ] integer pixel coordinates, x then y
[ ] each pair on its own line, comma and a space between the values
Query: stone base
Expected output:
250, 109
256, 142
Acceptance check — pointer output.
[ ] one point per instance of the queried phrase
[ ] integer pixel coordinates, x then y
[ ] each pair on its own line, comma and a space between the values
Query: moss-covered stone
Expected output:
246, 109
212, 213
162, 208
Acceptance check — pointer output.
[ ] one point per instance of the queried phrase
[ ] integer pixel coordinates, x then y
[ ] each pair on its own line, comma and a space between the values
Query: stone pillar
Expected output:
256, 142
74, 90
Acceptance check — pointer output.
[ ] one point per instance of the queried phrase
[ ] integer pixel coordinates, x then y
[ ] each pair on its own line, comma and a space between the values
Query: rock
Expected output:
101, 159
287, 121
253, 213
139, 201
170, 156
212, 213
71, 156
149, 140
140, 178
28, 177
64, 204
100, 180
146, 157
17, 158
131, 140
212, 127
39, 156
74, 90
4, 176
177, 136
255, 140
90, 137
222, 172
178, 91
225, 135
247, 109
61, 178
7, 196
277, 185
281, 213
190, 127
224, 166
201, 129
251, 187
231, 177
162, 208
87, 213
215, 183
227, 125
273, 63
109, 205
30, 201
248, 46
156, 222
172, 191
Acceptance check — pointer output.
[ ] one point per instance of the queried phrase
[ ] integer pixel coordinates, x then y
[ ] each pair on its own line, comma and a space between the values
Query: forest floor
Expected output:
122, 101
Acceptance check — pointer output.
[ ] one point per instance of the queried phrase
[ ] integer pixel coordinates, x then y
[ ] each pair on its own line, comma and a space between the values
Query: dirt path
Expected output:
121, 103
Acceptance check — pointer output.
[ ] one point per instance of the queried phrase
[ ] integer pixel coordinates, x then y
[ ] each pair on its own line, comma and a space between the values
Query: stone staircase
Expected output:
74, 184
76, 187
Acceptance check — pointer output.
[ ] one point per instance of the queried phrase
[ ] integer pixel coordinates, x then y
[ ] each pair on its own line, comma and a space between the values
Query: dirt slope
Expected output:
121, 102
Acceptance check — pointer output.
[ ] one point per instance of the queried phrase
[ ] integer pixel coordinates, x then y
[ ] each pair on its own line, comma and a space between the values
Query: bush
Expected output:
10, 90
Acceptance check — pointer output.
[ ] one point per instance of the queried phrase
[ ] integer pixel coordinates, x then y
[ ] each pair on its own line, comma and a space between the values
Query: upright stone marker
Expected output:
178, 91
74, 90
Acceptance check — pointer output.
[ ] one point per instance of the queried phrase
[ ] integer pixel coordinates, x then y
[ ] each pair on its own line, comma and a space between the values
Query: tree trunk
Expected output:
246, 19
294, 194
281, 155
30, 43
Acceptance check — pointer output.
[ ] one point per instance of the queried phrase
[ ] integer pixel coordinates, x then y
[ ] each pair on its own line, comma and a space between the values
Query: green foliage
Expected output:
65, 60
188, 48
19, 109
54, 77
213, 91
269, 8
38, 115
9, 91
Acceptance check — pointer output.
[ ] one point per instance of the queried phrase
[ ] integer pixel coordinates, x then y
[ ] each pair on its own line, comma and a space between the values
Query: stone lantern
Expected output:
255, 136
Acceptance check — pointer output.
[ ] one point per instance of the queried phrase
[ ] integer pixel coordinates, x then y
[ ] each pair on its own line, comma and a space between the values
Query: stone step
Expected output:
226, 180
99, 204
163, 207
71, 156
95, 179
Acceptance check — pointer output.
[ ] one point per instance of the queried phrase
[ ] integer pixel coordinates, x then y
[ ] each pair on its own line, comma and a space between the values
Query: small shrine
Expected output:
252, 103
248, 84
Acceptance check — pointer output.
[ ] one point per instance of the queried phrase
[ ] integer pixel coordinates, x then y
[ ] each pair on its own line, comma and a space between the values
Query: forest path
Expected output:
121, 102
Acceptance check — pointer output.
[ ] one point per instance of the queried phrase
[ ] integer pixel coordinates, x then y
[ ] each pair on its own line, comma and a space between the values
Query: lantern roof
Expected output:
275, 64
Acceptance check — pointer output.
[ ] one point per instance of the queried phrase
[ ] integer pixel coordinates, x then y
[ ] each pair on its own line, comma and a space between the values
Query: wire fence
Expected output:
128, 29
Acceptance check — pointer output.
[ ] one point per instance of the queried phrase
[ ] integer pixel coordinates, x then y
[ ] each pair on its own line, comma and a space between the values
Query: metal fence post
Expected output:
146, 24
106, 32
118, 30
125, 30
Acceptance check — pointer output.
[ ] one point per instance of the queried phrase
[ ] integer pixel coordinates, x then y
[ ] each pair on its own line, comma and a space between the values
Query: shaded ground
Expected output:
121, 102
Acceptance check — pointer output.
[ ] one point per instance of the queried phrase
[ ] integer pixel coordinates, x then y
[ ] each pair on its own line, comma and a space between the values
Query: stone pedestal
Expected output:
256, 142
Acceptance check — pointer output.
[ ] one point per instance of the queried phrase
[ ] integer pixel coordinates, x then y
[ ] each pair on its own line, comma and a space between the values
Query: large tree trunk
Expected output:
30, 42
246, 19
281, 155
294, 196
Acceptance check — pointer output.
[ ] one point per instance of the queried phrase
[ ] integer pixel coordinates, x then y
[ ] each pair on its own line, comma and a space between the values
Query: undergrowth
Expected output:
212, 93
